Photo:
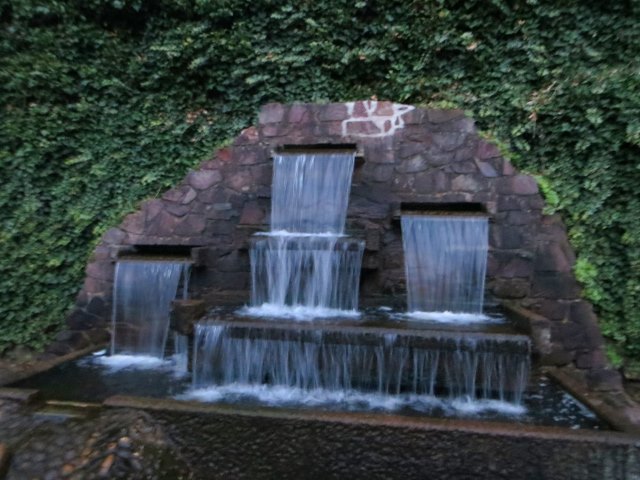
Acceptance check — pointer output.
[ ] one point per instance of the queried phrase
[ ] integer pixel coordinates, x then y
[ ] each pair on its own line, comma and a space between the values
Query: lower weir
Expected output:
362, 360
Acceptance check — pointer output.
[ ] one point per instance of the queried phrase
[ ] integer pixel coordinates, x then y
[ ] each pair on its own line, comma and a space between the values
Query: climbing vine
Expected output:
107, 102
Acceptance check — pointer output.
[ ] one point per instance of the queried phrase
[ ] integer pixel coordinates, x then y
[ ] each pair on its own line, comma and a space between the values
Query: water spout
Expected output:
445, 262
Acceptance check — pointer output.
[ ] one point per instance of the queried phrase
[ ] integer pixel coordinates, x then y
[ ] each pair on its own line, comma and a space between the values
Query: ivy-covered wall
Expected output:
107, 102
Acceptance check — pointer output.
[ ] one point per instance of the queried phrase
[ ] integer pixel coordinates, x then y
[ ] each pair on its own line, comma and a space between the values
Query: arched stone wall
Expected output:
408, 157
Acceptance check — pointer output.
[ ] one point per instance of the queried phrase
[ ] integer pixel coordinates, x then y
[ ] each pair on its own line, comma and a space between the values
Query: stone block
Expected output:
162, 225
591, 359
113, 236
100, 270
333, 112
363, 208
469, 183
517, 185
417, 116
555, 285
449, 141
248, 136
382, 173
134, 223
262, 174
370, 262
442, 116
252, 214
271, 113
249, 156
189, 226
553, 309
153, 208
99, 307
551, 258
508, 203
98, 336
372, 239
486, 150
558, 356
486, 168
5, 460
232, 280
94, 286
411, 149
417, 163
184, 314
431, 181
178, 210
569, 334
519, 217
604, 380
233, 261
516, 267
510, 289
364, 128
300, 113
464, 166
506, 237
240, 181
507, 168
224, 155
203, 179
379, 150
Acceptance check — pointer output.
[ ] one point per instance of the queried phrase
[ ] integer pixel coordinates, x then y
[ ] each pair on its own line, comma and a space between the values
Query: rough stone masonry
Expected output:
408, 158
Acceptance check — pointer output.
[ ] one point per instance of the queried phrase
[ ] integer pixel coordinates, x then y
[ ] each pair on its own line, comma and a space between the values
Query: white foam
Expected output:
287, 233
471, 407
119, 362
296, 312
453, 317
349, 399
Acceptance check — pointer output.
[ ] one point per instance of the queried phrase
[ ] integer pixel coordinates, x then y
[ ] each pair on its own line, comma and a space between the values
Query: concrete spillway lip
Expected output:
509, 429
389, 334
287, 443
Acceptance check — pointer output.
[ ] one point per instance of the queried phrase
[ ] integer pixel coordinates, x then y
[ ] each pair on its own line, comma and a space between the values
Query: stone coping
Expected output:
616, 408
505, 429
624, 433
428, 338
29, 369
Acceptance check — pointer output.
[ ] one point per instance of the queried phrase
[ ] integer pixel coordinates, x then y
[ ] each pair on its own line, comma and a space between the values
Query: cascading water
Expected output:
349, 363
445, 262
142, 295
305, 267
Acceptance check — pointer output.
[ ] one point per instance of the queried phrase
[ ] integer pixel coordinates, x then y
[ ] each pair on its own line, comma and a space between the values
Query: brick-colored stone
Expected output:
427, 157
271, 113
203, 179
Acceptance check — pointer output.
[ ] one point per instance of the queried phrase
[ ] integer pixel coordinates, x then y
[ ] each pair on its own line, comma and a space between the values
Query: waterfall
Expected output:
142, 295
306, 263
445, 262
346, 361
310, 192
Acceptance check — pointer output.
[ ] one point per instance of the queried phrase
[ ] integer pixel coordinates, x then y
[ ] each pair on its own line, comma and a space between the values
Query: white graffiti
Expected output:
372, 124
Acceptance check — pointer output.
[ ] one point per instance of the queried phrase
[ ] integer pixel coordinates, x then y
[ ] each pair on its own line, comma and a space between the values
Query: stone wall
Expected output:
224, 442
409, 158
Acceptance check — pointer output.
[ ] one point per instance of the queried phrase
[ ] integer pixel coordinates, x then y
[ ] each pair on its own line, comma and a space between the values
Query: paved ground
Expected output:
86, 444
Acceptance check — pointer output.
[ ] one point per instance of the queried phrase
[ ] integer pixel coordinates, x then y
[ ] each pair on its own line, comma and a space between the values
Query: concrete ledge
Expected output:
27, 370
234, 442
5, 460
348, 332
615, 408
22, 395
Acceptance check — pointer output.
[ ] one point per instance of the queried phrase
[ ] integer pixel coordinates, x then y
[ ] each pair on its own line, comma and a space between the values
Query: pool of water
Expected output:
96, 377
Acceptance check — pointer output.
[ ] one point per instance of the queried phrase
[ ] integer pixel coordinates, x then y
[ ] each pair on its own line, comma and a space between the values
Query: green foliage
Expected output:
106, 102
